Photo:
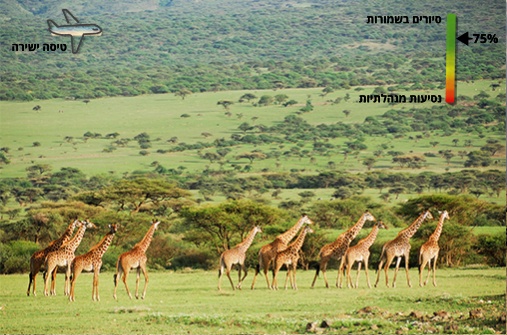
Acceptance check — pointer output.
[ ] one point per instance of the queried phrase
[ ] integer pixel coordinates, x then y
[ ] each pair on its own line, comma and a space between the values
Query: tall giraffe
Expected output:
400, 247
430, 249
91, 261
289, 257
63, 257
268, 252
337, 248
360, 253
236, 255
135, 259
37, 259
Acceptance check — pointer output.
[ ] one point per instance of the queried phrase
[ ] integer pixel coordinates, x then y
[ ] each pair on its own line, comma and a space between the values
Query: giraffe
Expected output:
268, 252
37, 259
63, 257
289, 257
400, 247
337, 248
91, 261
236, 255
360, 253
430, 249
135, 259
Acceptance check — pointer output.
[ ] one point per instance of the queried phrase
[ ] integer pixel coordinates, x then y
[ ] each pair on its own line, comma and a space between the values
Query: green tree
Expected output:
183, 92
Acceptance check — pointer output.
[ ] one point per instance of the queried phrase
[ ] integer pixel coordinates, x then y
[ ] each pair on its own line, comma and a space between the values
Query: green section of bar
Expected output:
451, 34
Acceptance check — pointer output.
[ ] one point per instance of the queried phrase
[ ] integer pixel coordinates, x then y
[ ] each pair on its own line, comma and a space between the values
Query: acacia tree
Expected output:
251, 156
221, 226
133, 194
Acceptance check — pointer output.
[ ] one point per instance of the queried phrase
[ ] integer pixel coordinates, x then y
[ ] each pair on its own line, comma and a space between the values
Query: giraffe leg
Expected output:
228, 273
95, 288
422, 265
220, 274
435, 270
294, 277
406, 269
138, 279
53, 281
257, 270
31, 279
124, 279
274, 283
146, 279
378, 271
49, 270
429, 272
338, 275
366, 272
358, 271
397, 267
266, 269
76, 271
341, 268
323, 269
67, 281
386, 269
245, 271
287, 277
349, 278
116, 277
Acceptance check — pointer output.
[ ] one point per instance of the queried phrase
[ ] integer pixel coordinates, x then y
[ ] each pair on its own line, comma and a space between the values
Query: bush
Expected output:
15, 256
492, 247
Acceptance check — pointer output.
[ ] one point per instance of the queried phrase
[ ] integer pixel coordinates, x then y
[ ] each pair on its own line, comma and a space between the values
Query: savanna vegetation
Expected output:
216, 116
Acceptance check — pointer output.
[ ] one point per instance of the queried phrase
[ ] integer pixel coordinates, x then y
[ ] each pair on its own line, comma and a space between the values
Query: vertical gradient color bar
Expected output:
450, 60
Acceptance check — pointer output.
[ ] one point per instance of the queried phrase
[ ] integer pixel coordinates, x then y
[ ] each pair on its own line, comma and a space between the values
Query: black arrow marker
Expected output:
464, 38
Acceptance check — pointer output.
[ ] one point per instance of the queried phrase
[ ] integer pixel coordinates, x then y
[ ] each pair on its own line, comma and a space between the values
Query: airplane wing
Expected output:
71, 19
74, 48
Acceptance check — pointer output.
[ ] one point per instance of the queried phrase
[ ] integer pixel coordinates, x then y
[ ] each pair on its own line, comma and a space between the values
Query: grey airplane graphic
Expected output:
73, 29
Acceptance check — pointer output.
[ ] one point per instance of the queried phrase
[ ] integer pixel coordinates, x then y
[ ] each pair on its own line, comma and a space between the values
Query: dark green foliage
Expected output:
237, 45
492, 247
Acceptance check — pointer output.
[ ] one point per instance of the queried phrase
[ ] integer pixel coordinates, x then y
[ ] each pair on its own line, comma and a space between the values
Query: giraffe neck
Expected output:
243, 246
67, 234
354, 230
289, 234
145, 242
101, 248
298, 243
436, 234
76, 240
408, 232
368, 240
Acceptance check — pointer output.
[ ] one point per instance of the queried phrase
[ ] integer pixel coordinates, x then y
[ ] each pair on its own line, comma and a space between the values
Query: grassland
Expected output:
188, 302
160, 117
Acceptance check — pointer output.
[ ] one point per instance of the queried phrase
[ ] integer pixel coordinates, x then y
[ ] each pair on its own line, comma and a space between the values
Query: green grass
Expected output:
188, 302
160, 117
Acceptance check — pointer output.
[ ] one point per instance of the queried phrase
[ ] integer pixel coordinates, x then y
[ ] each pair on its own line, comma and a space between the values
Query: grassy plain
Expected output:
160, 117
188, 302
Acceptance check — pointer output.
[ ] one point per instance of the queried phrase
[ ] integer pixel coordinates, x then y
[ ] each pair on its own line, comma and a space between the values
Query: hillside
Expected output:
163, 46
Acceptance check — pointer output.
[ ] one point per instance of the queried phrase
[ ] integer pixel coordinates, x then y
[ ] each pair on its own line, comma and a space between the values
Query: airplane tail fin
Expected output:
52, 24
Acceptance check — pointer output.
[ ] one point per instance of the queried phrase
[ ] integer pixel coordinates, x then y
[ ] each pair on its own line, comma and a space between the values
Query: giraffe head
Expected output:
427, 215
381, 225
444, 215
257, 229
308, 230
368, 216
113, 228
88, 224
155, 224
306, 220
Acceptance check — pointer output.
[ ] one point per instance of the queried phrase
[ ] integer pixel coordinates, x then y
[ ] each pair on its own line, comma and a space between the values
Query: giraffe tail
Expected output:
115, 276
318, 270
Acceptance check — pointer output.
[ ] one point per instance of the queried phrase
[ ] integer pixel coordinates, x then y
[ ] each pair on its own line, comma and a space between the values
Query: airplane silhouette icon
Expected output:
75, 29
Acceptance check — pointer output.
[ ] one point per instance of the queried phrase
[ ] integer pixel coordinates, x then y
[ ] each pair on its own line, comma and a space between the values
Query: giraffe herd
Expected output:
60, 253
